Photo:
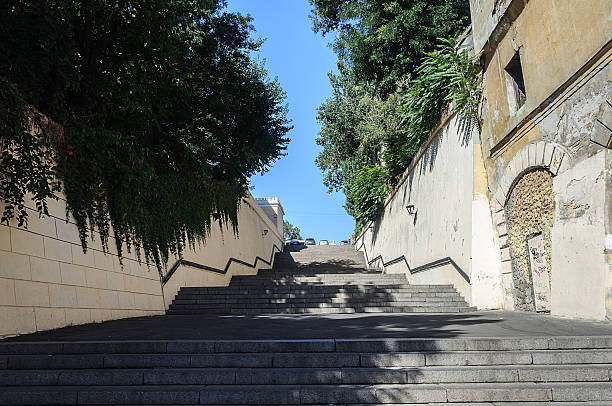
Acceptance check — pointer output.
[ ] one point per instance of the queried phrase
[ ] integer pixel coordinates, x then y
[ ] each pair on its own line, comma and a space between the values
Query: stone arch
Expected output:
541, 154
537, 156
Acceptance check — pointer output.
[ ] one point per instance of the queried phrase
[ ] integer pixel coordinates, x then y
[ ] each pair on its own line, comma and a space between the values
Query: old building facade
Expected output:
546, 133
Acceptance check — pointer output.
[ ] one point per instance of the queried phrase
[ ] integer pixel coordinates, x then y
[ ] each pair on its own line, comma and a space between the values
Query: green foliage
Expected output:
446, 75
26, 158
366, 195
291, 232
165, 116
359, 130
381, 42
354, 124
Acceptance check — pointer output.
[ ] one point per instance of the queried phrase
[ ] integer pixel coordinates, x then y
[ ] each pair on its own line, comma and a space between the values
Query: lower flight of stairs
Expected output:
327, 279
481, 371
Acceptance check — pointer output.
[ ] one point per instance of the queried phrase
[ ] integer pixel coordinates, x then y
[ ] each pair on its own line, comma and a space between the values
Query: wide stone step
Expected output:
318, 272
325, 276
307, 376
285, 305
309, 394
319, 310
318, 290
267, 282
548, 347
330, 299
315, 279
308, 296
202, 359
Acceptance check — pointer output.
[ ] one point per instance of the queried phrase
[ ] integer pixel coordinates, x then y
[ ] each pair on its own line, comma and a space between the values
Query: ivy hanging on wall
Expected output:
163, 115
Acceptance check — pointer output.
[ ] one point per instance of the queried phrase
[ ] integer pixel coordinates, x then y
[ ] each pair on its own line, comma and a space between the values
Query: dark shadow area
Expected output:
294, 247
278, 327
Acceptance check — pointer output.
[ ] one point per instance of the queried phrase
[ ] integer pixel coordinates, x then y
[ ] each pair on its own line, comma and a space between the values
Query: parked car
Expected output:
323, 242
344, 242
294, 242
310, 241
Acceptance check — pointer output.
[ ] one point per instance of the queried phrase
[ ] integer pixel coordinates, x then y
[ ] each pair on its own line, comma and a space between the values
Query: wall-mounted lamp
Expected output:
411, 209
265, 232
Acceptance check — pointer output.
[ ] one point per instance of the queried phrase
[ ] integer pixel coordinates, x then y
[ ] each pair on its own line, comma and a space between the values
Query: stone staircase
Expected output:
460, 370
478, 371
319, 279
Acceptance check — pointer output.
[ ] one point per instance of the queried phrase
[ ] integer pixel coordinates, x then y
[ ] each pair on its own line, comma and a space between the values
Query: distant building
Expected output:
273, 208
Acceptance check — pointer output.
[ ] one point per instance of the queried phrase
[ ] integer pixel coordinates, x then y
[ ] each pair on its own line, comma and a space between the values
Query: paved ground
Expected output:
477, 324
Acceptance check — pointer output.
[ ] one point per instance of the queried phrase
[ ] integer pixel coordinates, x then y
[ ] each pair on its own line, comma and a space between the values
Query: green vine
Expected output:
163, 116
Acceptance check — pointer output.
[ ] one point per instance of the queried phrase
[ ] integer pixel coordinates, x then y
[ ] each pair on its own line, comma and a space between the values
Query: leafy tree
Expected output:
290, 232
446, 76
366, 195
381, 42
163, 116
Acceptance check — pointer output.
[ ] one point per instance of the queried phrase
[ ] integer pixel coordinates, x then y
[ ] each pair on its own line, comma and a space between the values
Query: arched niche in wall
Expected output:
525, 195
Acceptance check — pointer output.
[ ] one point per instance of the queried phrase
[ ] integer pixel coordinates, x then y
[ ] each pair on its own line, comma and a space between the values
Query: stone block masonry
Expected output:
47, 281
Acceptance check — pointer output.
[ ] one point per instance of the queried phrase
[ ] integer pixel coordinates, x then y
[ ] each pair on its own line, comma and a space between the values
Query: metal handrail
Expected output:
230, 261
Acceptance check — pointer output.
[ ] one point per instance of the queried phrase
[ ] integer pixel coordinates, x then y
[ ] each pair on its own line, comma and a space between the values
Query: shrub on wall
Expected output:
366, 196
446, 76
165, 116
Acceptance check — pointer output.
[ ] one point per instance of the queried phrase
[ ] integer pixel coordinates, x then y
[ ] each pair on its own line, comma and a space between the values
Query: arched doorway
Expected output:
529, 217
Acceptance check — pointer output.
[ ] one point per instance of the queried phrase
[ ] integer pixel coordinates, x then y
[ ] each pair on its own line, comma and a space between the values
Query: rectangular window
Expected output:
514, 74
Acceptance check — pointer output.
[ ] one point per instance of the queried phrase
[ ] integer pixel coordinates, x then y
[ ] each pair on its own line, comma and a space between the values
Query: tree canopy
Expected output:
380, 42
291, 232
163, 116
390, 90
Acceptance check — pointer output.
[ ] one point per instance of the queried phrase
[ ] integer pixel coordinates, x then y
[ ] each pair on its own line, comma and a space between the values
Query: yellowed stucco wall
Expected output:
46, 281
566, 60
555, 39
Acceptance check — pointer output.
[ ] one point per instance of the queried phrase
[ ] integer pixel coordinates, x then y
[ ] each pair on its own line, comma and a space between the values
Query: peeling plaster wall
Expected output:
578, 277
551, 52
565, 124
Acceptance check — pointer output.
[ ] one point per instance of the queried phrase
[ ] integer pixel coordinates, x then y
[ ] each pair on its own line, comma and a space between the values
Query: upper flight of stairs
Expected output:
475, 371
319, 279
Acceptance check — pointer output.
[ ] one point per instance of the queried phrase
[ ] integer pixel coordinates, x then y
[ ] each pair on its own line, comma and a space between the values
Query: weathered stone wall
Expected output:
563, 127
529, 211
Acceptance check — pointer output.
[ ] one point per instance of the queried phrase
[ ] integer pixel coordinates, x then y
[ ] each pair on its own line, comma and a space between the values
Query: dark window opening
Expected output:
515, 71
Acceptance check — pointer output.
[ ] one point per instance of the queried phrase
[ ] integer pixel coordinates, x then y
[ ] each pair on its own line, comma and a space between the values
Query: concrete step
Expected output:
549, 348
319, 310
202, 357
308, 376
290, 300
310, 304
313, 281
309, 394
319, 278
321, 297
311, 289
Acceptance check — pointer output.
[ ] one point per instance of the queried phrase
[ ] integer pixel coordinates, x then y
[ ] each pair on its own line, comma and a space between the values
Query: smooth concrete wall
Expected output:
440, 186
46, 281
222, 245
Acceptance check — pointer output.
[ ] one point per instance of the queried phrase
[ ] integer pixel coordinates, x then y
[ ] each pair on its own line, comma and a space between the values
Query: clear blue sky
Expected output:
301, 59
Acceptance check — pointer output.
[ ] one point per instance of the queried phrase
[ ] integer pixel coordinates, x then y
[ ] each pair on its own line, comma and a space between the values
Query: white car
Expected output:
323, 242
